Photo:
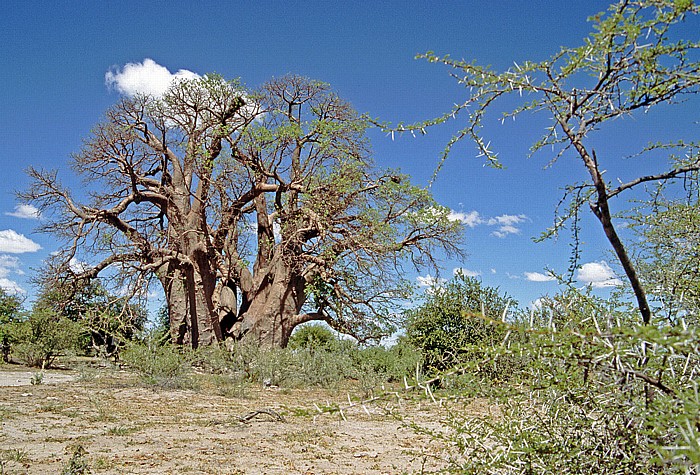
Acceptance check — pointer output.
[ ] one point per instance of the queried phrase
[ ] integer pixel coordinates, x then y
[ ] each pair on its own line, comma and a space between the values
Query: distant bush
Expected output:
456, 320
313, 336
314, 358
44, 336
10, 313
162, 366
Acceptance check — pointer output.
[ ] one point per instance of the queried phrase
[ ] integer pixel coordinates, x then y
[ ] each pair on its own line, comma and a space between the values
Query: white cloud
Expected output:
538, 277
430, 281
504, 231
470, 219
507, 220
465, 272
14, 243
78, 266
598, 274
25, 212
148, 78
506, 224
10, 286
8, 265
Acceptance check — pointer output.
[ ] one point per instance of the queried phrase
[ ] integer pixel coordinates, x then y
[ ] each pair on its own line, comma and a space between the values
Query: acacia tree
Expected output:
256, 212
666, 250
633, 61
109, 321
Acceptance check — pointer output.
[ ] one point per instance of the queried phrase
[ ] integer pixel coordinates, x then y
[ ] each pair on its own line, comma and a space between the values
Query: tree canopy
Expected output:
255, 211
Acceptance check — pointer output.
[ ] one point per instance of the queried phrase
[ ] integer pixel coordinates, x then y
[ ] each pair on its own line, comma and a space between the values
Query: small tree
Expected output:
10, 314
43, 336
633, 61
456, 316
109, 321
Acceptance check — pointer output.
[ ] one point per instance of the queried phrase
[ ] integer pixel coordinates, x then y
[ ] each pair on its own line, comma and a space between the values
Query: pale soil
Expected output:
128, 429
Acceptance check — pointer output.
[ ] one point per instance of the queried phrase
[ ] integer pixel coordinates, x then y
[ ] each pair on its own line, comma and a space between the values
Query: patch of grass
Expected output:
15, 455
300, 411
314, 437
160, 366
54, 407
103, 413
8, 413
55, 439
76, 465
102, 463
72, 413
229, 386
37, 378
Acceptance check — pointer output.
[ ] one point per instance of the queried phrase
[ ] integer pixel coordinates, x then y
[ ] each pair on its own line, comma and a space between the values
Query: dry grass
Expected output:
128, 429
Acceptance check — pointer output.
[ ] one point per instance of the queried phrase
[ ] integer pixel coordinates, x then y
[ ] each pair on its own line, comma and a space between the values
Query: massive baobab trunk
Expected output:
275, 308
193, 321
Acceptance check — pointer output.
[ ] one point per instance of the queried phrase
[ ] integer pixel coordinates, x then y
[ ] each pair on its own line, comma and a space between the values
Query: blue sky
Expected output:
54, 57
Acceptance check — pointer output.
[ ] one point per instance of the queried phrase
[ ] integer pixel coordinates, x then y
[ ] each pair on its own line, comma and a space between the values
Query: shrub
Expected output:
313, 336
323, 368
160, 365
10, 314
598, 396
44, 336
455, 321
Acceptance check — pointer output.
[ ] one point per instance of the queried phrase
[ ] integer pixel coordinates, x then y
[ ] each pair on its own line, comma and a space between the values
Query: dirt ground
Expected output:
120, 427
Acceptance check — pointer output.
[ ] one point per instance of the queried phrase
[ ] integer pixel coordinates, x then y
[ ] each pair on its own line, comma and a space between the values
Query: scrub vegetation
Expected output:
282, 253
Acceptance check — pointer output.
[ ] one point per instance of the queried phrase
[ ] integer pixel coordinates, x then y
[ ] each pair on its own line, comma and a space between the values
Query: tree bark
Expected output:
193, 319
274, 309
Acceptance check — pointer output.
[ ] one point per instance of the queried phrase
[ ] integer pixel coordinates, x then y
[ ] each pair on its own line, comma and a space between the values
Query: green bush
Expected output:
595, 394
44, 336
160, 365
10, 314
313, 362
214, 359
313, 336
456, 321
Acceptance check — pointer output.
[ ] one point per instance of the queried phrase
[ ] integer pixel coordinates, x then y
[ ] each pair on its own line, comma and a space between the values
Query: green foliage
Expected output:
635, 59
325, 368
10, 306
44, 336
313, 336
595, 394
110, 321
456, 320
576, 310
37, 378
10, 313
77, 465
161, 332
667, 233
231, 366
160, 366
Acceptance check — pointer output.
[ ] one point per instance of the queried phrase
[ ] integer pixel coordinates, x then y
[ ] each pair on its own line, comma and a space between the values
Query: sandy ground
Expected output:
128, 429
24, 378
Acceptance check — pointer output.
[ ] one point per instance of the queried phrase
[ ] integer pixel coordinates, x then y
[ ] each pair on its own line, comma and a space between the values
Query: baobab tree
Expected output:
255, 211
